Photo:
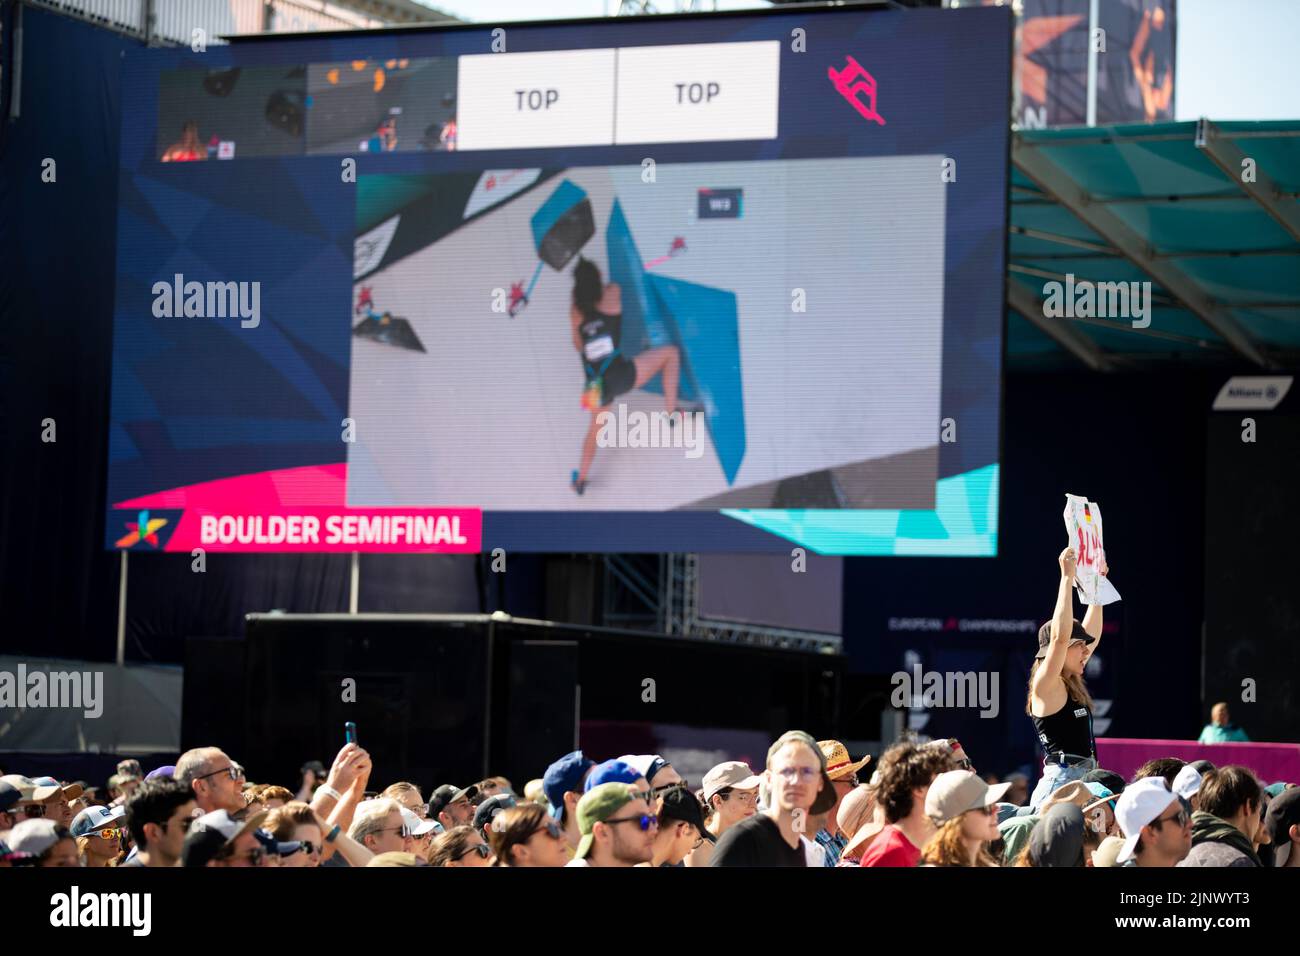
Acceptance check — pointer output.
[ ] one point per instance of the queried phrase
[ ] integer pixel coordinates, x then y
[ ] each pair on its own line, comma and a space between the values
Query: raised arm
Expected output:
1062, 622
1092, 619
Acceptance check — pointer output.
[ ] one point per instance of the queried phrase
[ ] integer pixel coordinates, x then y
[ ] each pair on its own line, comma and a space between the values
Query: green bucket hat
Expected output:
596, 806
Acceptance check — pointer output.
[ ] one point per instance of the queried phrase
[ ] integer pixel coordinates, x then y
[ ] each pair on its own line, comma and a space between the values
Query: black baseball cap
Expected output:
1282, 814
680, 804
10, 796
1107, 778
449, 793
491, 807
1077, 633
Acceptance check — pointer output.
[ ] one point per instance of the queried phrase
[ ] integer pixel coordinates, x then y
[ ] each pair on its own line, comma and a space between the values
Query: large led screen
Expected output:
720, 283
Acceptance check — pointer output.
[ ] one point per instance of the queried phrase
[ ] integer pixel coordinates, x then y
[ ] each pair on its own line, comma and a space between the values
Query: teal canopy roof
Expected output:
1206, 212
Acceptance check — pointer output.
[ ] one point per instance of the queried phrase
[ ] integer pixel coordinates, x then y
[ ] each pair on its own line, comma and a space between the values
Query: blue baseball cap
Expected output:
611, 771
1101, 795
96, 818
561, 777
274, 846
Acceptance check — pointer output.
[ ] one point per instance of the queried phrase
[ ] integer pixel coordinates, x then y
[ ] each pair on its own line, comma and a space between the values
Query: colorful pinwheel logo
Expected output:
143, 528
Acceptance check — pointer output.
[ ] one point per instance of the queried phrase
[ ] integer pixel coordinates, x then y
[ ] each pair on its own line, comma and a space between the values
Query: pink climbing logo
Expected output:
858, 87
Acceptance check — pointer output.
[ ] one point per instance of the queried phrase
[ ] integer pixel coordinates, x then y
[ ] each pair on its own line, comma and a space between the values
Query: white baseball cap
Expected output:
1139, 804
34, 836
1187, 782
413, 823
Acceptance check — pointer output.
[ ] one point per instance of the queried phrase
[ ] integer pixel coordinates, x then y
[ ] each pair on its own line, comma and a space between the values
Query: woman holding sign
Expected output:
1059, 703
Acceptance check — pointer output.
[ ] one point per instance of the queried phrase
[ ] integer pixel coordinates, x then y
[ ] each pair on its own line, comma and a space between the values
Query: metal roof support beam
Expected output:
1049, 177
1058, 330
1219, 149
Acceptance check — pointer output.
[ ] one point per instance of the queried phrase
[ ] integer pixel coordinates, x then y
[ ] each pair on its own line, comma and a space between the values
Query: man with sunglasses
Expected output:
617, 824
158, 816
216, 780
379, 827
1157, 828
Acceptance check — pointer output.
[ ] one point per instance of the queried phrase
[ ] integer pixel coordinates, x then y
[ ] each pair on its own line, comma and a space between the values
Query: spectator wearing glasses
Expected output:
843, 772
526, 836
964, 808
1224, 829
98, 832
681, 827
460, 846
217, 839
34, 800
799, 789
617, 825
658, 773
158, 815
1155, 824
729, 795
906, 772
379, 827
215, 779
295, 822
562, 786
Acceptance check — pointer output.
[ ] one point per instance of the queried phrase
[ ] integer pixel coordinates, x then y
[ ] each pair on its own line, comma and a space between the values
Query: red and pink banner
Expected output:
296, 509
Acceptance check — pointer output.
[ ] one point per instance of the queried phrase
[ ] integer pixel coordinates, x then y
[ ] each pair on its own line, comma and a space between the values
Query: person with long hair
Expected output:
525, 835
596, 318
964, 808
1058, 702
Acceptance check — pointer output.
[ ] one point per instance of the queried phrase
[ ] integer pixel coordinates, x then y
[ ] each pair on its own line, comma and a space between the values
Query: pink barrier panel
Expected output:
1271, 762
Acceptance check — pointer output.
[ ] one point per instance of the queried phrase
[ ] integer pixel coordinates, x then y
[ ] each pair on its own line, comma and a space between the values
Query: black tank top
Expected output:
1069, 730
600, 334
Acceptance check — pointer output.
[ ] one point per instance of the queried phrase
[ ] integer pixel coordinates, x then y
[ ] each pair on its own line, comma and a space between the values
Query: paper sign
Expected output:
1083, 525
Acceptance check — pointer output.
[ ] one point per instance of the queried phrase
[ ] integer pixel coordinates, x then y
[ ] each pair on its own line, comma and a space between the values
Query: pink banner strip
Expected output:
304, 509
1271, 762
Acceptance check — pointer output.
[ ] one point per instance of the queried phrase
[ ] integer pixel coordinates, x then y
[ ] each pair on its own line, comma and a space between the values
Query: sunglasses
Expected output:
1180, 818
482, 849
404, 831
108, 833
550, 829
234, 770
306, 846
644, 821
